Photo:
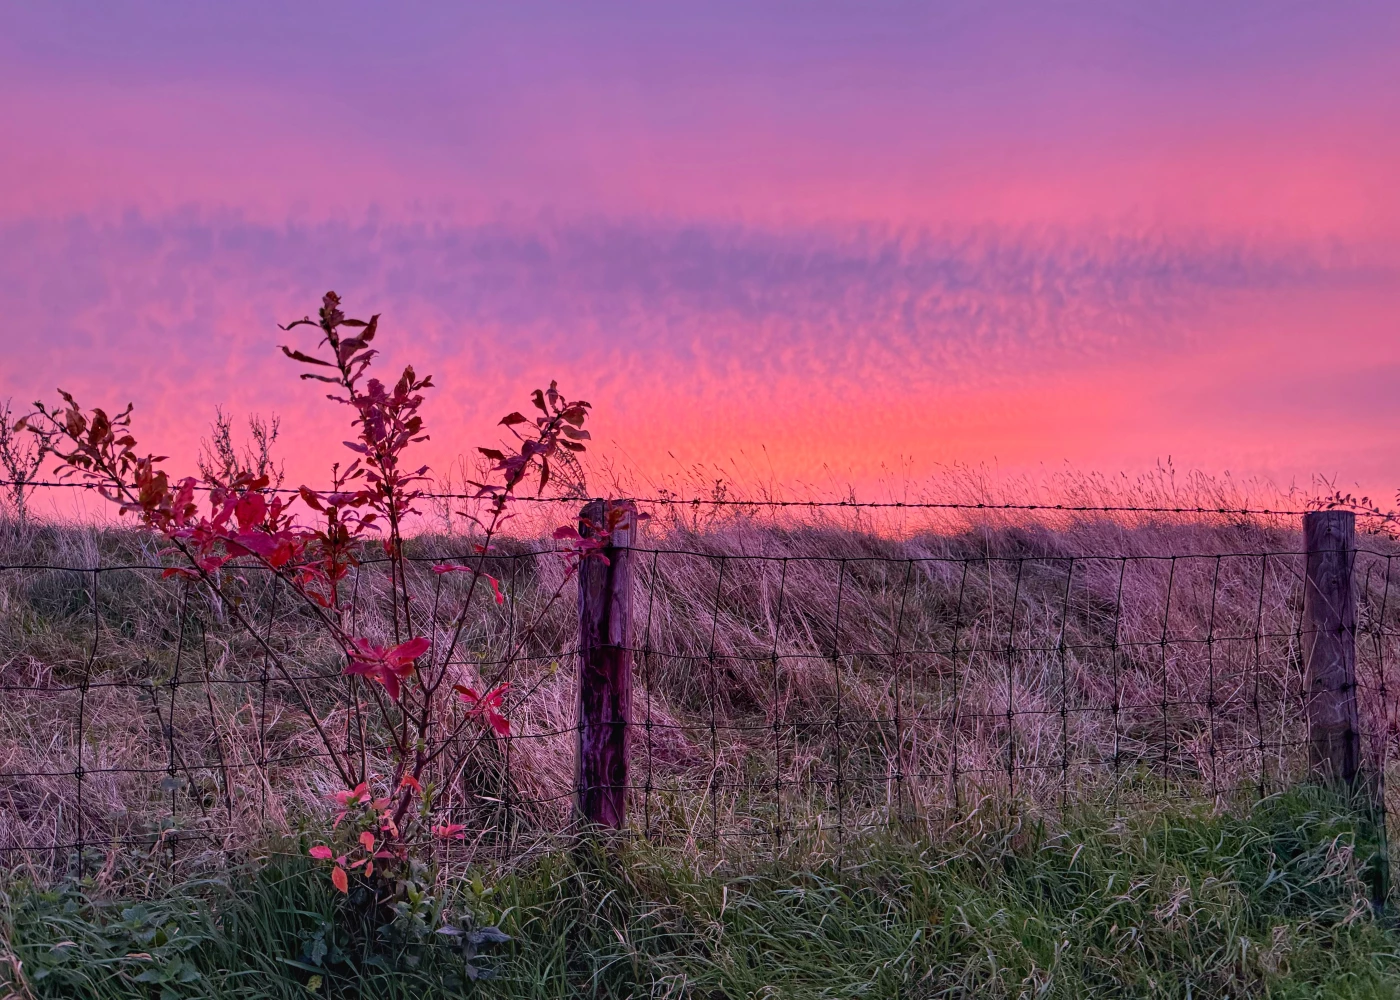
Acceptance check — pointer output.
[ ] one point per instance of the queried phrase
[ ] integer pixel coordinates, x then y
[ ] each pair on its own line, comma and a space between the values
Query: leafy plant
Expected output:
156, 948
401, 685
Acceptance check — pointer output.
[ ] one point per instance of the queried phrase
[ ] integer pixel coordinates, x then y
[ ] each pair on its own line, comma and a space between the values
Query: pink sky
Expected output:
833, 240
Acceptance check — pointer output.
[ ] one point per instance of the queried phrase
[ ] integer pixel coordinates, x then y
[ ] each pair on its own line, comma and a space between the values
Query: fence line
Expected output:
782, 697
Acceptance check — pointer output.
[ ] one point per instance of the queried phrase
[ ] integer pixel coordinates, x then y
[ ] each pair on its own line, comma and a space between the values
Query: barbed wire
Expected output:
849, 504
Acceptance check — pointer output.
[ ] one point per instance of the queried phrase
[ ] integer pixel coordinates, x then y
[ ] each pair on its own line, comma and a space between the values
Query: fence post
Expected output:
1329, 645
605, 667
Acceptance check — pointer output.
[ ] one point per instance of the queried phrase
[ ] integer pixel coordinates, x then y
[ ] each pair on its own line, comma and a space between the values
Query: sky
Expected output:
818, 245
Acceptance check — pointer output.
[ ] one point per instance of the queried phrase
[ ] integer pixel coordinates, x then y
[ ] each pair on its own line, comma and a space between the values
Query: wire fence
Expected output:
788, 689
672, 499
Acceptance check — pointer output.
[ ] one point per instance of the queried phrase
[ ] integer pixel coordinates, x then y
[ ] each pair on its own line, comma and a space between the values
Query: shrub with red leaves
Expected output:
380, 820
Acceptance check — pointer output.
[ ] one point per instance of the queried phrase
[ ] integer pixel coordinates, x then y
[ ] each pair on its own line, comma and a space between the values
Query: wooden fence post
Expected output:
1329, 646
605, 668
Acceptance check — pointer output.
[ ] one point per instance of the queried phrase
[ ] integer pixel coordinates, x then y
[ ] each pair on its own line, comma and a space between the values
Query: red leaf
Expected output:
352, 796
367, 841
486, 705
495, 588
250, 510
306, 358
340, 879
410, 650
388, 666
320, 852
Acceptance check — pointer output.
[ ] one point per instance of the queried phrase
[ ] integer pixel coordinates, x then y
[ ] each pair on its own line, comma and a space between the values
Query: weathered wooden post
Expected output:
605, 665
1329, 646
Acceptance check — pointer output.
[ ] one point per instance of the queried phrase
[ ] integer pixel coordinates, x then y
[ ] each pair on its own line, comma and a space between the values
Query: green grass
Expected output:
1275, 903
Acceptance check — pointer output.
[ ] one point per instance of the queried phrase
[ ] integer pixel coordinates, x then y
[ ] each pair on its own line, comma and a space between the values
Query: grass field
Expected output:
796, 677
1276, 902
1047, 790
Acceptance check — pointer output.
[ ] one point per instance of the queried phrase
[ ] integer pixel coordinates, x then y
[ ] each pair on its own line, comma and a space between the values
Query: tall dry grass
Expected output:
796, 681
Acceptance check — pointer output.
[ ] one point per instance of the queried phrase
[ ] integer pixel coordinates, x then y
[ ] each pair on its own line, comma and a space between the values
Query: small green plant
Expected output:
157, 949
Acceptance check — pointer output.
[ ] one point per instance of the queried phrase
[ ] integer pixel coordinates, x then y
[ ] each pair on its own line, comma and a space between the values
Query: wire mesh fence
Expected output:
788, 689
